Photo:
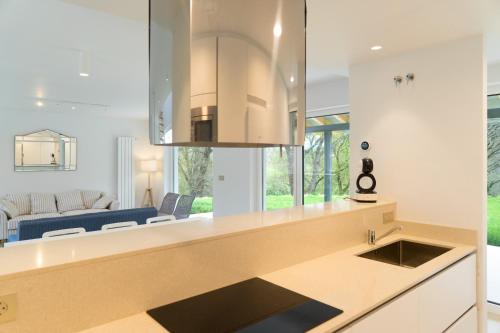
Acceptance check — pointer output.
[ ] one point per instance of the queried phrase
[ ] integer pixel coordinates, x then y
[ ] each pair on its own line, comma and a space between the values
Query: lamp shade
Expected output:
149, 166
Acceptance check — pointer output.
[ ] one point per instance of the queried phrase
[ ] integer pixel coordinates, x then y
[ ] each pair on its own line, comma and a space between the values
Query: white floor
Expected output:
493, 267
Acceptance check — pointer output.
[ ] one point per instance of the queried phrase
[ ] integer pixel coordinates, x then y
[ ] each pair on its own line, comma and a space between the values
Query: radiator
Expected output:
126, 172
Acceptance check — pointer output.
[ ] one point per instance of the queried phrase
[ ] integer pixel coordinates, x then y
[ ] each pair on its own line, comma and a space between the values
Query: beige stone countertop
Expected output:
341, 279
43, 254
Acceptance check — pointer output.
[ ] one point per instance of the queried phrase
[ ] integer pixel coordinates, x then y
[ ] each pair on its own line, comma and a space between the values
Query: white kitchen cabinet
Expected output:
400, 315
232, 89
260, 82
434, 306
447, 296
466, 324
204, 70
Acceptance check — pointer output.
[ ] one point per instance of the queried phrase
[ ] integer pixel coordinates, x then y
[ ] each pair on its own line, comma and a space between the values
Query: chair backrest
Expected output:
63, 232
169, 203
184, 205
161, 219
91, 222
119, 225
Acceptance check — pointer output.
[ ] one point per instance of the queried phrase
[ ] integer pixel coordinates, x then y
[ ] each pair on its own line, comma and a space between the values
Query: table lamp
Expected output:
149, 166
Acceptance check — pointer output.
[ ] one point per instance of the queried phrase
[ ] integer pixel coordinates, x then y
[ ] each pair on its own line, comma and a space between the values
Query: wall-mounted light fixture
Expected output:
84, 64
277, 30
397, 80
410, 77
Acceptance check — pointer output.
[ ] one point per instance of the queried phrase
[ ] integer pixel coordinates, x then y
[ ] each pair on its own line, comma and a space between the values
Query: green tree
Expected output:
195, 169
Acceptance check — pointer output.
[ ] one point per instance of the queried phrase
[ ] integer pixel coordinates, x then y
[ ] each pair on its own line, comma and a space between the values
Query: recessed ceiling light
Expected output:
277, 30
292, 79
376, 48
166, 79
73, 108
39, 103
84, 74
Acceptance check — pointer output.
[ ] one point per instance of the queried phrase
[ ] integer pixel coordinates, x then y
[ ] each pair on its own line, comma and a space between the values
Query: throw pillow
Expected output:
22, 202
103, 203
9, 208
69, 201
90, 198
42, 203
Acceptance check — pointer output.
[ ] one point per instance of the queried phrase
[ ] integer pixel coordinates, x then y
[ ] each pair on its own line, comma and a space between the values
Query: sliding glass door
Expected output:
326, 158
279, 177
493, 187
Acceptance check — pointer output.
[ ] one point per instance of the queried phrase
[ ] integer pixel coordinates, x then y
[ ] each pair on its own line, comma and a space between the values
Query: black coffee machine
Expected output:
366, 181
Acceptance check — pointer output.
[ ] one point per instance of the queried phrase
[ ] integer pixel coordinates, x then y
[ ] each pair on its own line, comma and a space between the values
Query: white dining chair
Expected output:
119, 225
63, 232
161, 219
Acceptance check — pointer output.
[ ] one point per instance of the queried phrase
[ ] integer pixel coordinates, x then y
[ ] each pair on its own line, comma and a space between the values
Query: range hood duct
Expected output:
227, 73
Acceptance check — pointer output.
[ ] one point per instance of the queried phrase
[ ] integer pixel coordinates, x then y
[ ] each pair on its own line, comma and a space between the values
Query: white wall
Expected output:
428, 138
330, 96
431, 131
96, 160
239, 192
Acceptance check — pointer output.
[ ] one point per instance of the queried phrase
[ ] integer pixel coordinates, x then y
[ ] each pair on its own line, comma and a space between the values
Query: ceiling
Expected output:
341, 32
41, 41
39, 58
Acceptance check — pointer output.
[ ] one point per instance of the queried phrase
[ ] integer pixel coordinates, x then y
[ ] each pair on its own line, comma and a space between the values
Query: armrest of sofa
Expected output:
114, 205
3, 225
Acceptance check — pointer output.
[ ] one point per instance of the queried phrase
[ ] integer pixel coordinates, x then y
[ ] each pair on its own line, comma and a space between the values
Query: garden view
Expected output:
494, 181
196, 174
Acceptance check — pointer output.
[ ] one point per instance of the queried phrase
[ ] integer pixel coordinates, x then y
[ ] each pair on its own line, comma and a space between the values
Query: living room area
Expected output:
74, 111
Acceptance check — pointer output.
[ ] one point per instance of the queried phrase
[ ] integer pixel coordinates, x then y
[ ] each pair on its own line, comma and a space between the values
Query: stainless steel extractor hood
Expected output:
228, 73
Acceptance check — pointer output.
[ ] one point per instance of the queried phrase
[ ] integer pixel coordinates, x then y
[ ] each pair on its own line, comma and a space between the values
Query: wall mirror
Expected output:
45, 151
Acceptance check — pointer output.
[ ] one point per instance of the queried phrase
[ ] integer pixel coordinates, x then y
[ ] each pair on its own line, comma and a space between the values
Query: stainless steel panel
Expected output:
243, 58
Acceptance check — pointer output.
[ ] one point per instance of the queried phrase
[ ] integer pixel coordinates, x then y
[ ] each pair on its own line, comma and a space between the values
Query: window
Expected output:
195, 176
493, 188
326, 158
279, 177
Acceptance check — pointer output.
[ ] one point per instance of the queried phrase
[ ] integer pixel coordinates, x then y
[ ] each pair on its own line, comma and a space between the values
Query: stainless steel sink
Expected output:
405, 253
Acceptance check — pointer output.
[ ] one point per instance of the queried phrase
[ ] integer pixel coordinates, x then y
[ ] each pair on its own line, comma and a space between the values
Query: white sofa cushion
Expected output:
22, 202
43, 203
90, 198
103, 203
13, 224
9, 208
68, 201
84, 211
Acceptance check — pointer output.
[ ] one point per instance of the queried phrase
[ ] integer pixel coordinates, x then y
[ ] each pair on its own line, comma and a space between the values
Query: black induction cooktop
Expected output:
250, 306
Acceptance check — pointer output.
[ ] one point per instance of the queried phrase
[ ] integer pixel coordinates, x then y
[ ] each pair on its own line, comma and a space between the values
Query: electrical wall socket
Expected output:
388, 217
8, 308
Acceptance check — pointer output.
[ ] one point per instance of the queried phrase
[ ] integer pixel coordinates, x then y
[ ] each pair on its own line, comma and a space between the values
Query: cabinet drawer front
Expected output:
400, 315
466, 324
447, 296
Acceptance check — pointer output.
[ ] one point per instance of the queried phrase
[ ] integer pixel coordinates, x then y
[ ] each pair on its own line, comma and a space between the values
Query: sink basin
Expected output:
405, 253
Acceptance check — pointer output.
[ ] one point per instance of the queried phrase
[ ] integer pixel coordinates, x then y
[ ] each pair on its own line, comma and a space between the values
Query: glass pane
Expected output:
279, 177
326, 158
195, 176
493, 187
328, 120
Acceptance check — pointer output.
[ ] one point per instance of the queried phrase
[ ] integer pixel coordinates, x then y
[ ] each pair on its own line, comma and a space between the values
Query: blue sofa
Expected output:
34, 229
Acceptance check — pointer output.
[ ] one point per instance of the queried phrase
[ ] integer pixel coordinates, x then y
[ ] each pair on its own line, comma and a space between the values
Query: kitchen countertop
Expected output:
341, 279
45, 254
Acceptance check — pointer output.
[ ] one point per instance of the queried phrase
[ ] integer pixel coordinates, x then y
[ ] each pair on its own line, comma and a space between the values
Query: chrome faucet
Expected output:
371, 234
